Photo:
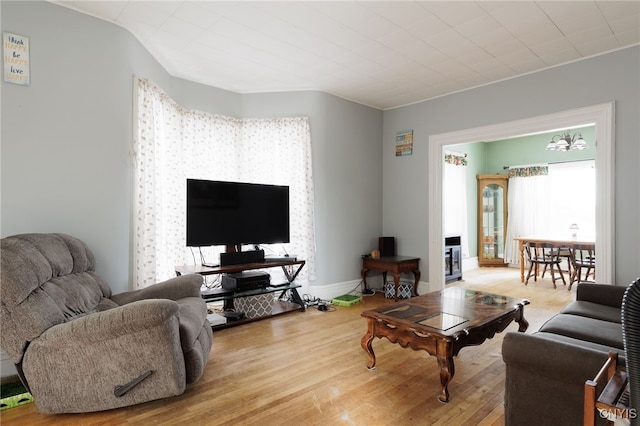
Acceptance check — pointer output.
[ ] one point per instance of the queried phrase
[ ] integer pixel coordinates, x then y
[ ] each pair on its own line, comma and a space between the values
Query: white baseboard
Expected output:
329, 291
469, 263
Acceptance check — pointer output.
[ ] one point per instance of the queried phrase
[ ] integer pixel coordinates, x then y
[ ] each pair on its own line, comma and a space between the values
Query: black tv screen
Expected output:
232, 213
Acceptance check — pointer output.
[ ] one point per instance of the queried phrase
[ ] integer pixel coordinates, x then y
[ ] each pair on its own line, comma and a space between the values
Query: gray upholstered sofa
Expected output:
546, 370
77, 347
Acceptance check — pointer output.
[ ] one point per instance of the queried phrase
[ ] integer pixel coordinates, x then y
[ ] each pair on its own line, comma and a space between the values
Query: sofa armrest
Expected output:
603, 294
87, 359
550, 358
110, 324
172, 289
544, 382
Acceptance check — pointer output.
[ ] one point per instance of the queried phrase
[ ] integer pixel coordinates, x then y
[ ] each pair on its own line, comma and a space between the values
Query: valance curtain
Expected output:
528, 212
174, 143
454, 199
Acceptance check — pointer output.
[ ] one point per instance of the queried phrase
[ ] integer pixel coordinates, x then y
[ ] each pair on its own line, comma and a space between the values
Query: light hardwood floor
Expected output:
308, 368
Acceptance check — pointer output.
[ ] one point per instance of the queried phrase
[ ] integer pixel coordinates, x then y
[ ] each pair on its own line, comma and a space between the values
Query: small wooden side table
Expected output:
394, 264
613, 402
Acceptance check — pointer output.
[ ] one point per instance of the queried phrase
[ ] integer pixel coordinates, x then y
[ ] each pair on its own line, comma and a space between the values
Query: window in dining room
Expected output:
547, 200
572, 197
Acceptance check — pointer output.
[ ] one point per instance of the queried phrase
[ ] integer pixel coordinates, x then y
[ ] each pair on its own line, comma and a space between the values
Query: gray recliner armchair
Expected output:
77, 347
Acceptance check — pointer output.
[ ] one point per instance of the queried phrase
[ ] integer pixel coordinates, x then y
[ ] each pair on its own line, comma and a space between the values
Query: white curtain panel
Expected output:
529, 209
455, 212
573, 197
174, 143
546, 200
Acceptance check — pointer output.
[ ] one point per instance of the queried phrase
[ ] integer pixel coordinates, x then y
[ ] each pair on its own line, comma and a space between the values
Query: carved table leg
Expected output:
396, 284
416, 276
366, 343
384, 280
447, 370
444, 355
521, 250
523, 324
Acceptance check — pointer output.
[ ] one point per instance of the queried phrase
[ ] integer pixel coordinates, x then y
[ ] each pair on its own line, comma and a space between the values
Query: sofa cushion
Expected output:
572, 341
593, 310
588, 329
603, 294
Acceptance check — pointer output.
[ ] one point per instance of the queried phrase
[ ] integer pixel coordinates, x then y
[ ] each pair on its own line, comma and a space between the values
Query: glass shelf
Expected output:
235, 295
290, 268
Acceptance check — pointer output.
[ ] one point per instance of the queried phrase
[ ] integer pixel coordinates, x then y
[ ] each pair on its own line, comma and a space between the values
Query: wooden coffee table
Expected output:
442, 323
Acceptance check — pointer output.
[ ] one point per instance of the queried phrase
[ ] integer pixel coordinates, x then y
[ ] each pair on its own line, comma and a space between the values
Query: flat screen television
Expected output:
235, 213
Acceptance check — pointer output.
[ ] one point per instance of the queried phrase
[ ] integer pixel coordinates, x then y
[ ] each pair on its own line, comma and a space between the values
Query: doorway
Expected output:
601, 116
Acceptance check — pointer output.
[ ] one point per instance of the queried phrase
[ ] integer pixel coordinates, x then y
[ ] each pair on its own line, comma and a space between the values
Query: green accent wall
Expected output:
527, 150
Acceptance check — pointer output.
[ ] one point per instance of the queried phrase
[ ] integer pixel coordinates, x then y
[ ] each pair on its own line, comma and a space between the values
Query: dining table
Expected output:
556, 241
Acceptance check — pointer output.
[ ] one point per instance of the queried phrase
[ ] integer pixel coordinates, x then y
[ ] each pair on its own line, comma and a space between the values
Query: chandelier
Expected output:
565, 142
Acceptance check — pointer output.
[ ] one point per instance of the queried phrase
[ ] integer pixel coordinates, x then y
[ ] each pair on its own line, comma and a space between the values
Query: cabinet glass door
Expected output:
493, 222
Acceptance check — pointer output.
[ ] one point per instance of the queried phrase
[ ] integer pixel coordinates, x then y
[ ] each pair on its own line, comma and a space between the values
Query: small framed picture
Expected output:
16, 59
404, 143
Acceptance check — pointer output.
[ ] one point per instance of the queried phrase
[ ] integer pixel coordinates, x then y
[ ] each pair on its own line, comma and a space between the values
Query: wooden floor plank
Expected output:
309, 369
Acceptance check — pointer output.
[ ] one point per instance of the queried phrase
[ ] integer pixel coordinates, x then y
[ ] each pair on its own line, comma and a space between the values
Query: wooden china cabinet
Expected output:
492, 219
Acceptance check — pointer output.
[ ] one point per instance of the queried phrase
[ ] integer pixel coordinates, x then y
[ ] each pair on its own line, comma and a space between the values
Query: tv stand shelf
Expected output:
291, 270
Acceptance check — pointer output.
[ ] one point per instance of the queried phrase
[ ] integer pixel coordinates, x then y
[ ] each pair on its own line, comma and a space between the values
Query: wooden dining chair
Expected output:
565, 255
543, 254
582, 257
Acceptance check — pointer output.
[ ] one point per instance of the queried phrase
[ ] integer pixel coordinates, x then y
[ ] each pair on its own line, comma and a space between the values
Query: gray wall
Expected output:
606, 78
66, 143
66, 140
65, 163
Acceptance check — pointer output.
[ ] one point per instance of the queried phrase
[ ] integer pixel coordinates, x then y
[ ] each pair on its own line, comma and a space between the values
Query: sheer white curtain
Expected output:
528, 207
173, 144
573, 197
454, 182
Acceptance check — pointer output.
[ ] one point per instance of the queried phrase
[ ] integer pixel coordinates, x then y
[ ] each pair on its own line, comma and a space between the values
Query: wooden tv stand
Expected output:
291, 270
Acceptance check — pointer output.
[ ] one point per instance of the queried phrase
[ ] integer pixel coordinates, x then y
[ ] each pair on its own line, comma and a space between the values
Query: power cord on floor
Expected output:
316, 302
364, 291
326, 307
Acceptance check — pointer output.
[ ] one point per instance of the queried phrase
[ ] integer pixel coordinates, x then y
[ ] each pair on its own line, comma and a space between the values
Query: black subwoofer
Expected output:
387, 246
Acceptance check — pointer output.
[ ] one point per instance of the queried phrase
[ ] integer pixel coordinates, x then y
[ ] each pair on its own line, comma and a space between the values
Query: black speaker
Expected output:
387, 246
241, 257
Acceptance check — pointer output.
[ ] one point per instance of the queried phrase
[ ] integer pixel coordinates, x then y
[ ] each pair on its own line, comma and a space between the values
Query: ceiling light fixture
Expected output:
565, 142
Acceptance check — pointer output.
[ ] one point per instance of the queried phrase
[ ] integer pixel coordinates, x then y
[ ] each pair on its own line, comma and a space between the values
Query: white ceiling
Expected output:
379, 53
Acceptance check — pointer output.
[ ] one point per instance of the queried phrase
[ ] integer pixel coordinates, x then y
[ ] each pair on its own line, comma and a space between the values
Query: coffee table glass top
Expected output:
439, 320
449, 308
442, 321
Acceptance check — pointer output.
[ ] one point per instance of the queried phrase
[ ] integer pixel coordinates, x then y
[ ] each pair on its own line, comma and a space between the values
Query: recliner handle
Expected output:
120, 391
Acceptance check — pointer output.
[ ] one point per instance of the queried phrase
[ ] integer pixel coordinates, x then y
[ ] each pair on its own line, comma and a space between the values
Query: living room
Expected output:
67, 139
